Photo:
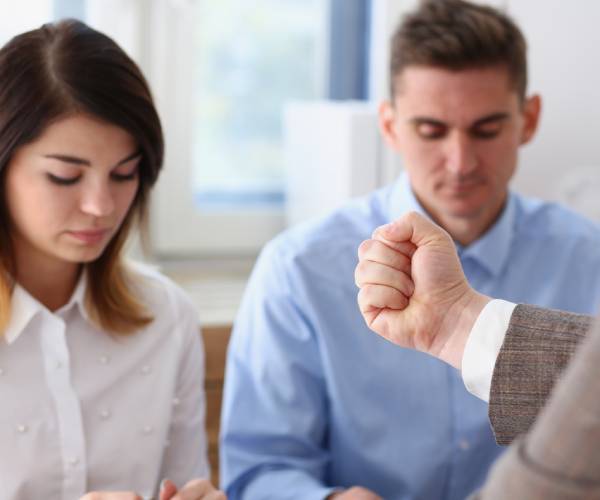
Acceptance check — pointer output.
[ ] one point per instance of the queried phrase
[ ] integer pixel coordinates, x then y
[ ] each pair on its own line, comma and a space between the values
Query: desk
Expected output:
215, 339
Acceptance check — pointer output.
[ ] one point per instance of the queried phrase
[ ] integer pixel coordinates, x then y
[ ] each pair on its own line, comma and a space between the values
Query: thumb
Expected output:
167, 489
414, 228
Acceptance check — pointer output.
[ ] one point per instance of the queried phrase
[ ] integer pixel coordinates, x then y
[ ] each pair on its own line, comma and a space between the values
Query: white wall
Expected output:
18, 17
563, 39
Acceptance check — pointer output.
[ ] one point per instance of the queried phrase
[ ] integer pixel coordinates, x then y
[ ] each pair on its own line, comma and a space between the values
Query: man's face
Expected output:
458, 132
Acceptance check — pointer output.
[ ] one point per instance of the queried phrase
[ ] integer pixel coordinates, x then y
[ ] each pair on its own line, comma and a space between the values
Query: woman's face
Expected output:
68, 191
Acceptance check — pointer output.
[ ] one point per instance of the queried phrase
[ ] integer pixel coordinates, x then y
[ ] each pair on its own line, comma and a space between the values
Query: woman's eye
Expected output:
62, 181
124, 177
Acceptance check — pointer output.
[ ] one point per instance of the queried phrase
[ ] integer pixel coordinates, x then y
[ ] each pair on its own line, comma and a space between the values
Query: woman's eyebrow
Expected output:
75, 160
132, 156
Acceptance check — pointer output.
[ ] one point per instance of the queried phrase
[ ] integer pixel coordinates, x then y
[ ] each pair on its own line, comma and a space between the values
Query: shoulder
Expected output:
331, 237
162, 296
554, 221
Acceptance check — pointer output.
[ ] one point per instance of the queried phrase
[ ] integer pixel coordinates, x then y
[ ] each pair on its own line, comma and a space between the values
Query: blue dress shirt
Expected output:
315, 401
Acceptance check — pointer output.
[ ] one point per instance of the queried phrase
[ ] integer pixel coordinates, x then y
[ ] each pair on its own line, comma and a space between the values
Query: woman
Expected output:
101, 364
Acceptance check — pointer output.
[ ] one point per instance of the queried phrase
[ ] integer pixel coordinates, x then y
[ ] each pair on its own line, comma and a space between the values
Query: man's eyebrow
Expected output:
74, 160
494, 117
424, 120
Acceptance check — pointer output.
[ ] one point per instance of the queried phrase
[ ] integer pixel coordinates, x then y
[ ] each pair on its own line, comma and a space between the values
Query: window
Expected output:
250, 58
222, 98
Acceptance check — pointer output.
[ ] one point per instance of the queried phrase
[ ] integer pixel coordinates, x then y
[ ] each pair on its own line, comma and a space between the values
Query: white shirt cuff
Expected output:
483, 346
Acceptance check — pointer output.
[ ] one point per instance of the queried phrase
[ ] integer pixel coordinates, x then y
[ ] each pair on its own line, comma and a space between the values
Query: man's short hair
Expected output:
457, 35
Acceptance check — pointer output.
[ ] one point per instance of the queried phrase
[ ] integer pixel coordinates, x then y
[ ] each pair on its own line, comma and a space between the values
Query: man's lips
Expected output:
89, 236
462, 187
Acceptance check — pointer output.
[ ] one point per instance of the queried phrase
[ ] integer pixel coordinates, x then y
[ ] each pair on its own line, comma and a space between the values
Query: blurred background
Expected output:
269, 109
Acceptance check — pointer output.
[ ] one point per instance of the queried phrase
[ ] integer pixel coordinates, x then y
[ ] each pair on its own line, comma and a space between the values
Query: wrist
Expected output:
460, 322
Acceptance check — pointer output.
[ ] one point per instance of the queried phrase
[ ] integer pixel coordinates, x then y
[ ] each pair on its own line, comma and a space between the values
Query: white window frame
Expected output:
178, 229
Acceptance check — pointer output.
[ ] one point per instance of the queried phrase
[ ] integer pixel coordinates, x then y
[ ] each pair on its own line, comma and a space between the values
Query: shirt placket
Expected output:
68, 409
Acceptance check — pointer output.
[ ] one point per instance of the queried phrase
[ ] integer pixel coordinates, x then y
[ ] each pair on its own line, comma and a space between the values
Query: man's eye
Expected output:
62, 181
431, 131
488, 131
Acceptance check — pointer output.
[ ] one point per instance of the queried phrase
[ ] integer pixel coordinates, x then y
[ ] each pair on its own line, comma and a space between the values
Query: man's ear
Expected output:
532, 108
387, 125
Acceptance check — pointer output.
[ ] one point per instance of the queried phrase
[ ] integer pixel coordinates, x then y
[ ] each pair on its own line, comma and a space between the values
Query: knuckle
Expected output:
361, 268
364, 248
364, 298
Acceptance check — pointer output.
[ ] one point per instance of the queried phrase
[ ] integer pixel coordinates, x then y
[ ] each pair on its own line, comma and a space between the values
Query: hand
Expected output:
355, 493
413, 290
196, 489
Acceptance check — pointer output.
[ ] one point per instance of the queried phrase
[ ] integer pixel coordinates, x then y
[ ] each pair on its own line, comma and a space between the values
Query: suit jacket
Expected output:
559, 458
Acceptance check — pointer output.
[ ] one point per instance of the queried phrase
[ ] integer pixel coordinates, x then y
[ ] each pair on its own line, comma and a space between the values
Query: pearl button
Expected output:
104, 414
22, 428
104, 359
145, 370
176, 401
148, 429
464, 444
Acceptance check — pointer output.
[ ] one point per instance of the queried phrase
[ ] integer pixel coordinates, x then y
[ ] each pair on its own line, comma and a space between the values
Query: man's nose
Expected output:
460, 154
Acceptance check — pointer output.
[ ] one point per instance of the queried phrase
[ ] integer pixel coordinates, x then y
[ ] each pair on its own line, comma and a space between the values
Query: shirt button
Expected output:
148, 429
464, 444
22, 428
73, 461
104, 359
1, 372
145, 370
104, 414
58, 365
176, 401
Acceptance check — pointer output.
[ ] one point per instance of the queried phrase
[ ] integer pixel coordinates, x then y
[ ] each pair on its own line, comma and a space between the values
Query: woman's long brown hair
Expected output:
55, 71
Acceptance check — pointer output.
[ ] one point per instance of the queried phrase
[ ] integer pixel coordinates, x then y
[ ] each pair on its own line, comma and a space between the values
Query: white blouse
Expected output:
81, 410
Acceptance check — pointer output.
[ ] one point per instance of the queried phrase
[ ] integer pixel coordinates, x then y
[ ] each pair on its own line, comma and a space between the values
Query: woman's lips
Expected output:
89, 236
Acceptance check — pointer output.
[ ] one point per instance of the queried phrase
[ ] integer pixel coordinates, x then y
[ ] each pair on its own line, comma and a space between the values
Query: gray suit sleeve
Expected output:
559, 458
538, 345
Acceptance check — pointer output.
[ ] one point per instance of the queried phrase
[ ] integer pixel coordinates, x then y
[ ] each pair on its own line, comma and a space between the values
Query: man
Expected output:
440, 314
309, 391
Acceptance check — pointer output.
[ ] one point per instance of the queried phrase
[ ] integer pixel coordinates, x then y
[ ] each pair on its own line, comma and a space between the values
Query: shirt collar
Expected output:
403, 199
24, 307
491, 250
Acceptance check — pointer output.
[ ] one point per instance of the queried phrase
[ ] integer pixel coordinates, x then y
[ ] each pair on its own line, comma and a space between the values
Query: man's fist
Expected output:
413, 290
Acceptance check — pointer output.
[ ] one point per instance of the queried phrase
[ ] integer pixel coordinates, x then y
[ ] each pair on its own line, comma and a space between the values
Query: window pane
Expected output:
251, 57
